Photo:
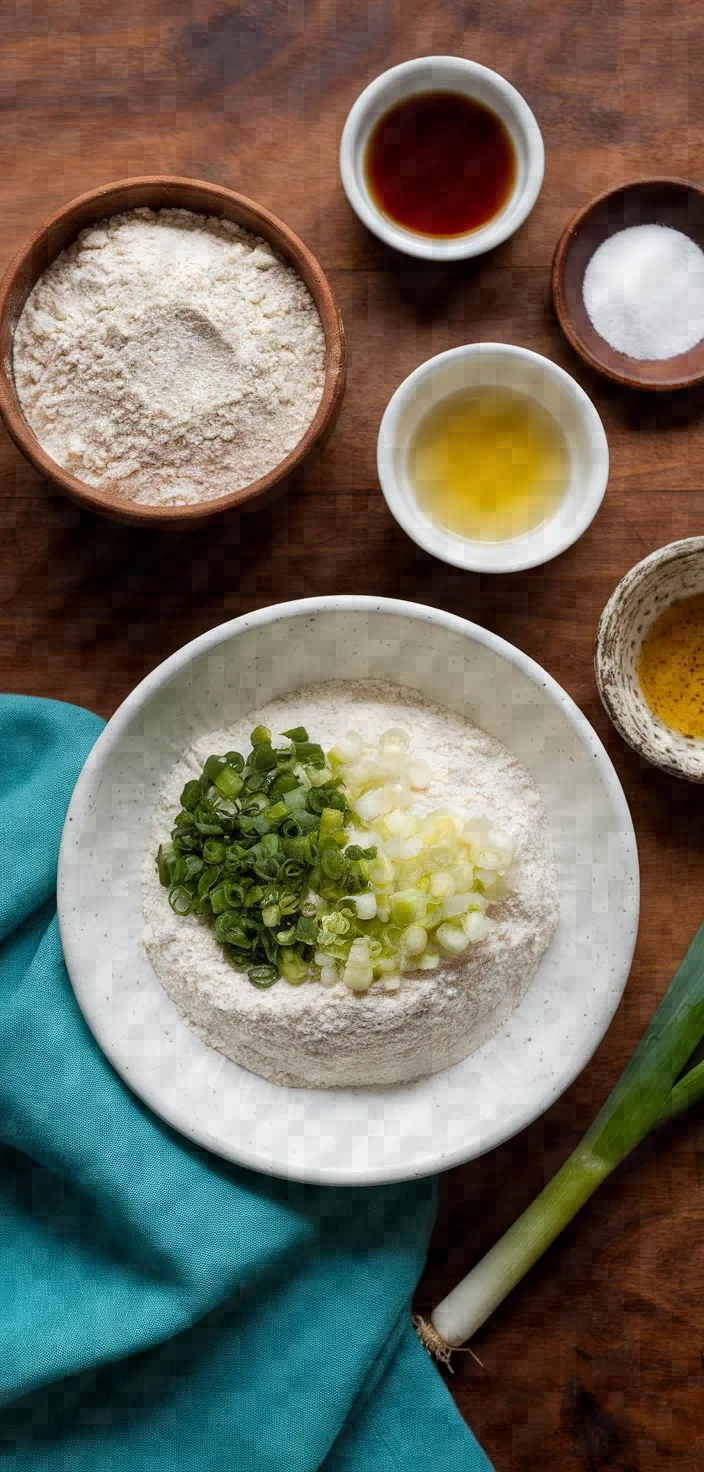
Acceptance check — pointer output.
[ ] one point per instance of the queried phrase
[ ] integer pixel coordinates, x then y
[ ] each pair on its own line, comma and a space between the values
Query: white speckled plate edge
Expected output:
356, 1137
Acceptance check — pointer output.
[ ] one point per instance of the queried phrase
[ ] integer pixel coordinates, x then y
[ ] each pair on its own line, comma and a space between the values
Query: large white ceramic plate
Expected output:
348, 1137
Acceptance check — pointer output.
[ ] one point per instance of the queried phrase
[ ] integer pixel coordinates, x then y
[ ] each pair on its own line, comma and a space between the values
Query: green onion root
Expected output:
466, 1308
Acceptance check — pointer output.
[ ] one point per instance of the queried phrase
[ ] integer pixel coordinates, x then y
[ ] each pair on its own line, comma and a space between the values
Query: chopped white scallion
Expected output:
401, 824
358, 974
456, 905
420, 775
414, 940
396, 736
349, 749
384, 965
441, 885
477, 926
371, 805
452, 938
357, 777
318, 776
411, 847
492, 883
431, 880
381, 870
463, 875
366, 906
400, 795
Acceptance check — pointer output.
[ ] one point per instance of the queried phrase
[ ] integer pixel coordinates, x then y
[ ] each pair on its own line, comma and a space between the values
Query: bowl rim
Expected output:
671, 552
477, 556
276, 232
442, 248
109, 739
620, 375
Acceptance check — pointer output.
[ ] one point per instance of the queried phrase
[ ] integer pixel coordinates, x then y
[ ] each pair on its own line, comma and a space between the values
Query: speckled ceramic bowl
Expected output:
671, 573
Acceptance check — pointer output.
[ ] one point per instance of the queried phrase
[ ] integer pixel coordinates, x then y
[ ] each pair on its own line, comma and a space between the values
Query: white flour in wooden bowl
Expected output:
169, 356
309, 1036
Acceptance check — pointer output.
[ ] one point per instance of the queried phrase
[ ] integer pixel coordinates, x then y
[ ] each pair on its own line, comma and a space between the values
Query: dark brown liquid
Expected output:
440, 164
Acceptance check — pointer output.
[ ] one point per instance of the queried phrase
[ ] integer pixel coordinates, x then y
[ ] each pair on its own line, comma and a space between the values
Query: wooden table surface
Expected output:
596, 1360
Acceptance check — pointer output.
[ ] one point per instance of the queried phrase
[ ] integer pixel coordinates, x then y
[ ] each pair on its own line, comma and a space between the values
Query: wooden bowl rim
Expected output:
295, 253
571, 229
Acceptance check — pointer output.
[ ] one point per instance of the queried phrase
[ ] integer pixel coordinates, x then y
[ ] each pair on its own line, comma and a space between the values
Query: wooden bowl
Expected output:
653, 201
671, 573
158, 192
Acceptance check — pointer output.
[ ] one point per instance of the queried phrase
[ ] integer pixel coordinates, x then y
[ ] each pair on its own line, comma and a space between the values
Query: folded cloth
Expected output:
163, 1311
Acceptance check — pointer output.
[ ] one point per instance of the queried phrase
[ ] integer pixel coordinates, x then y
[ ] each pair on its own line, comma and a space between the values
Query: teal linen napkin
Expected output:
161, 1310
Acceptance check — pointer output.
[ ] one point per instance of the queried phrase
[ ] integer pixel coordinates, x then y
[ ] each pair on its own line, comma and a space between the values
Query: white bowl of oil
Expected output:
492, 458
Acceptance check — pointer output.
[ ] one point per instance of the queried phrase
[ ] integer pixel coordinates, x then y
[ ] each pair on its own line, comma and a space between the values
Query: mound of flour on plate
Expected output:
309, 1036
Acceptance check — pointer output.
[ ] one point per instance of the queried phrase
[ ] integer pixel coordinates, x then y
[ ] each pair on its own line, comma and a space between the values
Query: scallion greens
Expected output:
253, 838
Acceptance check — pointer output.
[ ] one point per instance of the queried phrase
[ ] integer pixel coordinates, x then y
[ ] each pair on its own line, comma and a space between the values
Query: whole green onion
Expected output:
651, 1090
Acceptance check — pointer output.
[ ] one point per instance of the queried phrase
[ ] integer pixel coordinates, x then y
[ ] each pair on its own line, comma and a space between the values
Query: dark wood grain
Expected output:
596, 1360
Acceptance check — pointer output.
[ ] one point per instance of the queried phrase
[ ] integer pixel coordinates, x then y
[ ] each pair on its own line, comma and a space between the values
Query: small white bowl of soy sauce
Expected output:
441, 158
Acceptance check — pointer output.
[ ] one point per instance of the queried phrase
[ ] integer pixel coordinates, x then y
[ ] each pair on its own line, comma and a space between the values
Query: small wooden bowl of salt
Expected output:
169, 350
628, 284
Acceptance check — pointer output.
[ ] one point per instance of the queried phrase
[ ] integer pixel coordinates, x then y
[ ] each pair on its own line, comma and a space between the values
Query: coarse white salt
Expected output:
644, 292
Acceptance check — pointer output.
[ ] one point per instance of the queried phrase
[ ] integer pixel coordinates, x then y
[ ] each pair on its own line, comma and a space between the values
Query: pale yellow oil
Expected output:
489, 464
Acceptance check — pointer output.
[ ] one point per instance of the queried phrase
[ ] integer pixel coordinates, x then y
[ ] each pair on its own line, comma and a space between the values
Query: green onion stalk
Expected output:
653, 1088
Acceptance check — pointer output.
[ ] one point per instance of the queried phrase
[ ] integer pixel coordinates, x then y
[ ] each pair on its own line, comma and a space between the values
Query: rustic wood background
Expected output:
596, 1360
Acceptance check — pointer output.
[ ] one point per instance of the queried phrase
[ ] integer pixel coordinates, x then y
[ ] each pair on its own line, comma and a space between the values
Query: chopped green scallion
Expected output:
252, 843
263, 976
180, 900
292, 966
228, 782
164, 855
